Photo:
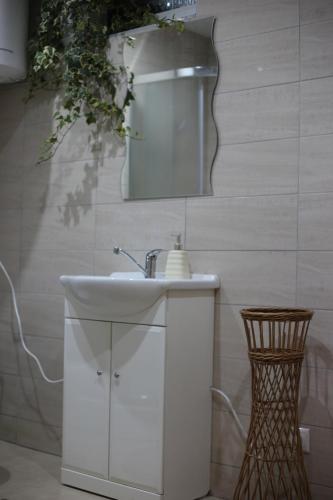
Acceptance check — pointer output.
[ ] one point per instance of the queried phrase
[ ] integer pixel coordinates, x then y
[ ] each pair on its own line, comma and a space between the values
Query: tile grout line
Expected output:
278, 84
246, 305
259, 87
283, 138
256, 33
317, 21
185, 222
285, 28
299, 151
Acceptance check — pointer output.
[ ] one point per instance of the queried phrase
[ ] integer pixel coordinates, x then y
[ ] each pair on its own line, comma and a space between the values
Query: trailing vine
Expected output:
69, 52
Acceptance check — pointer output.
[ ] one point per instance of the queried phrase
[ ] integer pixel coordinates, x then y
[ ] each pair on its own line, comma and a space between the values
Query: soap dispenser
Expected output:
177, 266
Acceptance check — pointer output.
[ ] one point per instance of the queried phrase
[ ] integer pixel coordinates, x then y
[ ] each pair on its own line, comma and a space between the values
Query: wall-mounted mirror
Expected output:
175, 77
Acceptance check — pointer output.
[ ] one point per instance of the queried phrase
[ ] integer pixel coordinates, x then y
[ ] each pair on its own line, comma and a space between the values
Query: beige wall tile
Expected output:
139, 225
228, 446
258, 60
63, 184
223, 480
42, 314
41, 269
311, 11
319, 352
258, 278
34, 137
256, 168
317, 106
79, 183
11, 174
10, 225
6, 322
8, 428
316, 398
315, 280
319, 461
40, 402
253, 223
230, 339
9, 352
52, 228
10, 394
39, 436
315, 222
316, 50
319, 492
10, 259
316, 172
10, 194
240, 17
84, 143
42, 185
109, 180
41, 107
258, 114
79, 144
11, 145
12, 103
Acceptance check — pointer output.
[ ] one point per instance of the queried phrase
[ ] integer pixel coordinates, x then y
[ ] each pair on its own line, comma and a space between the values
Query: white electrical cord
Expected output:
19, 324
232, 411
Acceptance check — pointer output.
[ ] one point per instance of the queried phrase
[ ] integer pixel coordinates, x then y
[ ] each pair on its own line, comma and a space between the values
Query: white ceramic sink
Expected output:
129, 293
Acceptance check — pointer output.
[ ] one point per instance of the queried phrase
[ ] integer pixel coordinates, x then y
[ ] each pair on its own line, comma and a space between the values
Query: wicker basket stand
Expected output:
273, 465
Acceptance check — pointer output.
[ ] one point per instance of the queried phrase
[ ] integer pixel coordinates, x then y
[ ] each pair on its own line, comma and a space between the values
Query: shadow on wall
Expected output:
76, 200
4, 475
46, 212
316, 404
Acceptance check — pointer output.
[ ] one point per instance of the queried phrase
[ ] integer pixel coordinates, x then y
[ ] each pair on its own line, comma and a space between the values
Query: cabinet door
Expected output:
137, 401
87, 396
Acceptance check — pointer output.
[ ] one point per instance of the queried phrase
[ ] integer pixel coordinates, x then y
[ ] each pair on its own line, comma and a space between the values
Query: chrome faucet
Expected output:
149, 270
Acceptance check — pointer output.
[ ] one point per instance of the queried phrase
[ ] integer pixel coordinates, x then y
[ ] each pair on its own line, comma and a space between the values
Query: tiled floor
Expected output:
30, 475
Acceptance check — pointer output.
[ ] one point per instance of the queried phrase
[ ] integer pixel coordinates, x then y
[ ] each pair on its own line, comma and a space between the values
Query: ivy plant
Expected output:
69, 52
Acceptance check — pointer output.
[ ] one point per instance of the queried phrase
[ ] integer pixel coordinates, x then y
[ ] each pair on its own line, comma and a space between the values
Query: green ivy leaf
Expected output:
69, 51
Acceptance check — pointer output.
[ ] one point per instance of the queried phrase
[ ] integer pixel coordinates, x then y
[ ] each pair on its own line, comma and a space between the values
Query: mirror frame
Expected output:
124, 172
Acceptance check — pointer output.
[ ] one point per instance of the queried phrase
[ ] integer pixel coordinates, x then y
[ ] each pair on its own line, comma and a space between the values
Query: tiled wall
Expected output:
268, 231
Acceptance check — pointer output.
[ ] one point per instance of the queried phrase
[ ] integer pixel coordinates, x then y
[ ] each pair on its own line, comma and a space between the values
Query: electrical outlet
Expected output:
305, 437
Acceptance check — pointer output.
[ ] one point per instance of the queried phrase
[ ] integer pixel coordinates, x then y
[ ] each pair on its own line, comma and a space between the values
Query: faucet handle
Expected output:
154, 252
150, 264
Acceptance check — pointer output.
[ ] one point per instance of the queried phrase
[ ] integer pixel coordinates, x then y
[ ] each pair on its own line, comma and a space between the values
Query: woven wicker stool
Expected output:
273, 466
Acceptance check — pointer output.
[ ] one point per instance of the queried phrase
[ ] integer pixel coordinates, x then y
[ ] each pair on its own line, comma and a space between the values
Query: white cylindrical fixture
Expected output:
13, 40
177, 266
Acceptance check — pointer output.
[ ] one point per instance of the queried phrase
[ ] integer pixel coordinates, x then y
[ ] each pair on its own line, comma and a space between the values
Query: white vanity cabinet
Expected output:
137, 405
87, 396
114, 387
137, 402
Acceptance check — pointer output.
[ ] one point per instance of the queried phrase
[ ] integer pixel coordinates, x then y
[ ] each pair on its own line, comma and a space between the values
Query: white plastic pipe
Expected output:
19, 324
232, 411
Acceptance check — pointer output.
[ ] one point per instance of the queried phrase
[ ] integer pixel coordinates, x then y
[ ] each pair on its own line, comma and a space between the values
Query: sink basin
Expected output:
129, 293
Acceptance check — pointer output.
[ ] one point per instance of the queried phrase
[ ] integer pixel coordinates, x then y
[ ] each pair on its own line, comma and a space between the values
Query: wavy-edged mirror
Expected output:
176, 143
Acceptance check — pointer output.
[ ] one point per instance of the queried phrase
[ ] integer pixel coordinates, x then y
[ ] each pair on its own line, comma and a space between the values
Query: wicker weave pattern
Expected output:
273, 466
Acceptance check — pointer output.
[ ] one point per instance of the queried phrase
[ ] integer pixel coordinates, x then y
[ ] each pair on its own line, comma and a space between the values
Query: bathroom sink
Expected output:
129, 293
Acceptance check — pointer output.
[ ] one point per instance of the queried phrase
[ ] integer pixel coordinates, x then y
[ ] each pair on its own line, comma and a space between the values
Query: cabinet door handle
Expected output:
99, 373
116, 375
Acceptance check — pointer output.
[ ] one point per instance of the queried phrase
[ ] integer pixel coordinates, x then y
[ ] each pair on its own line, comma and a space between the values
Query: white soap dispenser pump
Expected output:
177, 266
